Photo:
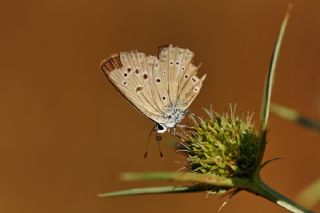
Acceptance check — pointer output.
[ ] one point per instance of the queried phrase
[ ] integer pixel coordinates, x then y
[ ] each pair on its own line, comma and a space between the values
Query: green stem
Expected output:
254, 185
152, 190
265, 110
261, 189
262, 148
190, 177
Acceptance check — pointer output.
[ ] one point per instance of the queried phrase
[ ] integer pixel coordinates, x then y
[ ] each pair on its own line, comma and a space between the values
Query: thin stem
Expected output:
254, 185
265, 110
190, 177
152, 190
261, 189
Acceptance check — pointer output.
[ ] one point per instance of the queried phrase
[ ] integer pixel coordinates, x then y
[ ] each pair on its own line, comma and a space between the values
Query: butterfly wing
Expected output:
183, 83
162, 88
135, 76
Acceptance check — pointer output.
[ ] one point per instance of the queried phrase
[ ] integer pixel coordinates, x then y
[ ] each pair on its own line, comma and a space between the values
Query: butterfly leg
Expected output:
148, 142
175, 133
159, 138
180, 146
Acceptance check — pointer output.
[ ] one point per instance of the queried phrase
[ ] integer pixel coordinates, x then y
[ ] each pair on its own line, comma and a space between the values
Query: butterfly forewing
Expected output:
128, 82
148, 82
143, 88
159, 82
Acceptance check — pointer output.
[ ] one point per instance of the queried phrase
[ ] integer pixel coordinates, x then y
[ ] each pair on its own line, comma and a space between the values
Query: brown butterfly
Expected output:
162, 88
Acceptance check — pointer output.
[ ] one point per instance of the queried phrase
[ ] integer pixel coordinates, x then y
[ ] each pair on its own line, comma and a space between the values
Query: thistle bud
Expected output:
222, 144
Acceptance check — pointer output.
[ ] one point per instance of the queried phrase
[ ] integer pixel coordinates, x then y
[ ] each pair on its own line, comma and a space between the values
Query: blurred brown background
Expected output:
65, 133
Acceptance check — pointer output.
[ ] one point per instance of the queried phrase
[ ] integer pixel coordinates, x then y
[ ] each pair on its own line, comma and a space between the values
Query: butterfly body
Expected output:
162, 88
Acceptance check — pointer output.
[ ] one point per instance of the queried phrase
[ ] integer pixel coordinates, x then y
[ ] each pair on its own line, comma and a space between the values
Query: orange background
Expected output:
65, 133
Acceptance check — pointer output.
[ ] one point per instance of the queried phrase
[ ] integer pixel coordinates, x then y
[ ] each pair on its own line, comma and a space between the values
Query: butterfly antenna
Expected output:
158, 138
148, 142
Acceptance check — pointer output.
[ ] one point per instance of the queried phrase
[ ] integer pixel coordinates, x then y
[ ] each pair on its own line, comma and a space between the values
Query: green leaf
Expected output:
264, 115
189, 177
265, 107
151, 190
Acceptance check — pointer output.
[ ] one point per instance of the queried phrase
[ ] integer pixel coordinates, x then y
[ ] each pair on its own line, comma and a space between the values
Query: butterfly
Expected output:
160, 87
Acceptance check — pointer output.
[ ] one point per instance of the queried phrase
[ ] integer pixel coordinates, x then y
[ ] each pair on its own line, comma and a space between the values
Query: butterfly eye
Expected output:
124, 83
125, 75
137, 71
186, 76
164, 98
129, 69
177, 63
160, 128
182, 68
171, 62
145, 76
158, 80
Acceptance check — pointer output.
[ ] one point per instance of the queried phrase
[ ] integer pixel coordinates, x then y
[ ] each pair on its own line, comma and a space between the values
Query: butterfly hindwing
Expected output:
183, 83
190, 91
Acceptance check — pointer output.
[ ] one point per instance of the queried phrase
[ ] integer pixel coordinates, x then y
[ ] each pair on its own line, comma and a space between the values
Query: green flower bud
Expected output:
223, 145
